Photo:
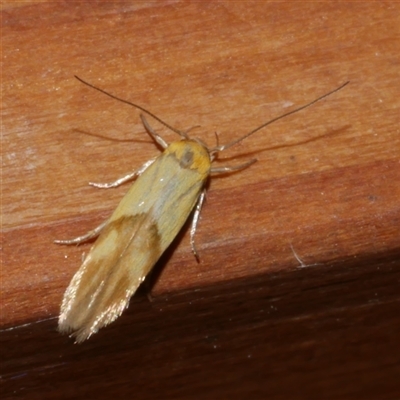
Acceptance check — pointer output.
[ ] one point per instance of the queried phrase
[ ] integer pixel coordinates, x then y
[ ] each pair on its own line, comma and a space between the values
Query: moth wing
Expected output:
114, 268
143, 225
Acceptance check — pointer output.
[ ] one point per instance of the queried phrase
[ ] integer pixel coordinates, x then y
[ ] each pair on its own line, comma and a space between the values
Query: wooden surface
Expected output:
249, 320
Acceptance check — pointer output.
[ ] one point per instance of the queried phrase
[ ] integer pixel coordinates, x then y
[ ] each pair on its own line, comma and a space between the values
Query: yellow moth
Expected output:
168, 189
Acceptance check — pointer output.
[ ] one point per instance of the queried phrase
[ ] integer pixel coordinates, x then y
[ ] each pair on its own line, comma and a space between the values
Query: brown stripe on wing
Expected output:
118, 262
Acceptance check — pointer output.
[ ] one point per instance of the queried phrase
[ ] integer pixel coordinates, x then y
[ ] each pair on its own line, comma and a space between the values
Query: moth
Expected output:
167, 190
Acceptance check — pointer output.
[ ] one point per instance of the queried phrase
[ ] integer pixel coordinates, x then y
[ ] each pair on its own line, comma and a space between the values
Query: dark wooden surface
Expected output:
249, 321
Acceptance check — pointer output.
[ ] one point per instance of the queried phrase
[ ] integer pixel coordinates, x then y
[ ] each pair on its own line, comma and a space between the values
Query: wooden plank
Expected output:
249, 319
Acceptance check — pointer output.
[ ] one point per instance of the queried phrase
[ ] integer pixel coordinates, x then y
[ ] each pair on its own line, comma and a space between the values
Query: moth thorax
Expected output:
191, 155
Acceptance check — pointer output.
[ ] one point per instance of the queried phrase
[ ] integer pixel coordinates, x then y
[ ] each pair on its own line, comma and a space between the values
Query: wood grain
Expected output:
250, 319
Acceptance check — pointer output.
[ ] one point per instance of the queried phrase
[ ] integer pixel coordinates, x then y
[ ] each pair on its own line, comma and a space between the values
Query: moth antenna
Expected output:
133, 105
226, 146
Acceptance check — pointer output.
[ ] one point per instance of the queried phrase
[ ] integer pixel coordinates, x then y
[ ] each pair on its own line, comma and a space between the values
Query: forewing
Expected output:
118, 262
143, 225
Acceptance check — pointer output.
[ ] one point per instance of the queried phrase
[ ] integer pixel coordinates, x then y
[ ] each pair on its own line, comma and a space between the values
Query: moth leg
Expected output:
195, 221
125, 178
222, 170
155, 136
84, 238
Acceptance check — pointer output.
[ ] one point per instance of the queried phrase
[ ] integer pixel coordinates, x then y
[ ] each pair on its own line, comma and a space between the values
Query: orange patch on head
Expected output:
191, 155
